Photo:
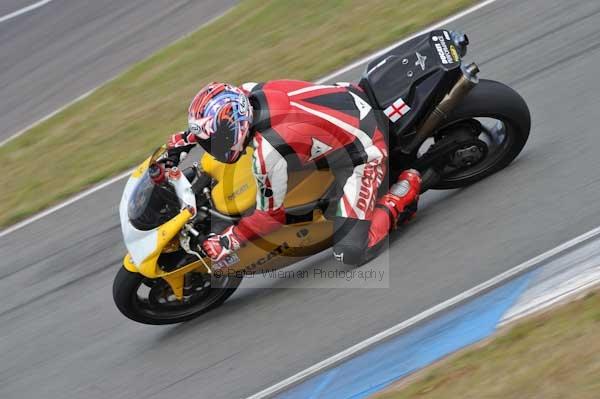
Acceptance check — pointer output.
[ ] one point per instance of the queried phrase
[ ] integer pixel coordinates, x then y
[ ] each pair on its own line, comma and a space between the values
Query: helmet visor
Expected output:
220, 144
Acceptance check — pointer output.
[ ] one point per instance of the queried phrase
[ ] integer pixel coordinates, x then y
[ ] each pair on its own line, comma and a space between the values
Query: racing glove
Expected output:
182, 139
178, 146
217, 247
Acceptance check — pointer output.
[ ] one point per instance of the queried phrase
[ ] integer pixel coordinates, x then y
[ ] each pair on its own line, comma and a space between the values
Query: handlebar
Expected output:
157, 173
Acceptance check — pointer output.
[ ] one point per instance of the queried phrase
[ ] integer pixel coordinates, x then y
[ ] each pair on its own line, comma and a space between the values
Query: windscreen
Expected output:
151, 205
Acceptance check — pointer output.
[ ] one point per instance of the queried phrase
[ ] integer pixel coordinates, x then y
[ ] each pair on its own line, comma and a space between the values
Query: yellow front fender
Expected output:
166, 232
150, 268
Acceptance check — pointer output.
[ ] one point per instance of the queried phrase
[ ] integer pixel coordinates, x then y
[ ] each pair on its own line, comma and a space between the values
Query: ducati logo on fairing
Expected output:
421, 61
237, 192
280, 250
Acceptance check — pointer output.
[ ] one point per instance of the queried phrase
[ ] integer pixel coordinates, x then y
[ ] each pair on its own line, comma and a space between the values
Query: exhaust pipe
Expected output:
465, 83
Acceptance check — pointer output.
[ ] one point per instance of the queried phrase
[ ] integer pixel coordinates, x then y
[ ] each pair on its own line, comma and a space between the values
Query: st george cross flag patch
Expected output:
397, 110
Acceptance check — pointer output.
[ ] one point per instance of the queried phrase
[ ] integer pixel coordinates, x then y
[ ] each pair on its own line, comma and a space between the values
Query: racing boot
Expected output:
396, 207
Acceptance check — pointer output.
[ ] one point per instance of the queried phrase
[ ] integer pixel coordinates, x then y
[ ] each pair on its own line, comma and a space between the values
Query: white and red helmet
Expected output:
220, 116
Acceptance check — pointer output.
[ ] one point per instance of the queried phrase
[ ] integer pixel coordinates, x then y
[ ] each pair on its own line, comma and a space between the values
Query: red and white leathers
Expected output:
300, 125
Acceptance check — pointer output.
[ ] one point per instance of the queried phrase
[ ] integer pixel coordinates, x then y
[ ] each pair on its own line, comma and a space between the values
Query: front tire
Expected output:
494, 100
125, 294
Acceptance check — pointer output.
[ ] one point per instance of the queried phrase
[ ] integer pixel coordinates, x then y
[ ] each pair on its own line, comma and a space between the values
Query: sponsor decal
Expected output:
447, 35
228, 261
251, 269
443, 51
397, 110
366, 188
454, 53
194, 128
372, 176
201, 127
237, 192
318, 149
244, 108
440, 52
420, 60
275, 252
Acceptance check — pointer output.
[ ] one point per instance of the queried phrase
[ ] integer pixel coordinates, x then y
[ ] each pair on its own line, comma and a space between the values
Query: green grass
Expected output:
258, 40
554, 355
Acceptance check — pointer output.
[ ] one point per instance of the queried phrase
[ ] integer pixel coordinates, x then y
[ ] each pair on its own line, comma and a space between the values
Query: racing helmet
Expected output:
220, 116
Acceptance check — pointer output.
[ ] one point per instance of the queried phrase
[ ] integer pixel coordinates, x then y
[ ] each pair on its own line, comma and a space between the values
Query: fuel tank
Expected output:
235, 191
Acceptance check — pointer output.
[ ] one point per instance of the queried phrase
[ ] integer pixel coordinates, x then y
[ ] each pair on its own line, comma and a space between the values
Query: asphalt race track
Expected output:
65, 48
62, 337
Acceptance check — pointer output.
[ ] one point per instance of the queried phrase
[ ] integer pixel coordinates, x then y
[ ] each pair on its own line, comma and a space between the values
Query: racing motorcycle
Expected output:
440, 119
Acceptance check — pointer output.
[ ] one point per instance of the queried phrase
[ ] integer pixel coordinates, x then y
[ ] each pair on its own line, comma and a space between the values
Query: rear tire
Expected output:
491, 99
125, 295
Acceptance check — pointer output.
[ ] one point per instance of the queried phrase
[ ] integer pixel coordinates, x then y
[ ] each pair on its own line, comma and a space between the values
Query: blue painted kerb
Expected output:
389, 361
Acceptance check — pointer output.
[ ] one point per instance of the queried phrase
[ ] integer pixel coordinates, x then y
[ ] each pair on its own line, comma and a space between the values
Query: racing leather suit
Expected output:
298, 125
301, 125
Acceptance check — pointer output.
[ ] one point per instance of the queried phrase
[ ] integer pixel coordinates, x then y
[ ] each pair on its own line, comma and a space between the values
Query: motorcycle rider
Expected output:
293, 125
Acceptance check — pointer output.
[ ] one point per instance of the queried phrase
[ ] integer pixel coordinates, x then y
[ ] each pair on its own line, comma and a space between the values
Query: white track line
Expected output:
24, 10
87, 94
440, 308
45, 118
320, 81
68, 202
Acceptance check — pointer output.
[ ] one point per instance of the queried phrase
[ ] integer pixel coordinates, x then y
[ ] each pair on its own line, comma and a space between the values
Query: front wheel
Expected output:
152, 301
504, 122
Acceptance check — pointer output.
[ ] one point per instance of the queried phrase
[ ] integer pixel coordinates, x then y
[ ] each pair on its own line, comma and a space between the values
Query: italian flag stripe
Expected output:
263, 168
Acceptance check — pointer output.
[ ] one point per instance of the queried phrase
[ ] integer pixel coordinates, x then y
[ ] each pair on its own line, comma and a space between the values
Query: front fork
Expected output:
179, 280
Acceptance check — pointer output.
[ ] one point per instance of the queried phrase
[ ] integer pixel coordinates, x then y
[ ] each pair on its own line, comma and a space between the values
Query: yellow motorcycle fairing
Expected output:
289, 244
164, 235
235, 191
155, 241
234, 194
